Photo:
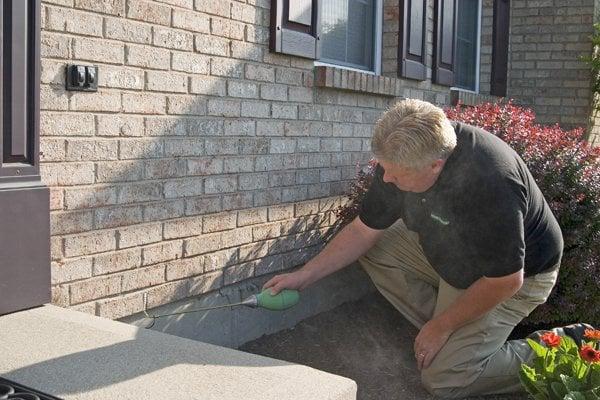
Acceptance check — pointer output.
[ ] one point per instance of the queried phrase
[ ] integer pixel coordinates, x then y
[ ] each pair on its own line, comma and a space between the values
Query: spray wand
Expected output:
283, 300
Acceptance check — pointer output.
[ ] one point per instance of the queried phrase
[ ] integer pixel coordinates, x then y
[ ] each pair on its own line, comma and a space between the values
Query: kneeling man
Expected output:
456, 234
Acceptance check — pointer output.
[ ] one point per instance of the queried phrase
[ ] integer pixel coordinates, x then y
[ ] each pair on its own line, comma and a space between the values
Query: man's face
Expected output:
410, 179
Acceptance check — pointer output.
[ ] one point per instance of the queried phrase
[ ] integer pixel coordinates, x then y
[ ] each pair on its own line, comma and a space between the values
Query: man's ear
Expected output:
437, 165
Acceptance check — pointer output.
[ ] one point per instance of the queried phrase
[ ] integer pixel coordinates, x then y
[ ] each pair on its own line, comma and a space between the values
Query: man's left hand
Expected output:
431, 338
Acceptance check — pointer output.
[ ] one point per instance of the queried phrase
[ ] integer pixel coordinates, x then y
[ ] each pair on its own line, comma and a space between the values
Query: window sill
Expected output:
345, 79
469, 98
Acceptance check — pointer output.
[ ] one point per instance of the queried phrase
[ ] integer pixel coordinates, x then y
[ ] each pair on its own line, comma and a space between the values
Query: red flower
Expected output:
592, 334
551, 339
589, 354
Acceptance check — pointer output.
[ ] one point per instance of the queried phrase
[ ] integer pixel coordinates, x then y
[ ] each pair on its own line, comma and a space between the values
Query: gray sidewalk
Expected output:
366, 340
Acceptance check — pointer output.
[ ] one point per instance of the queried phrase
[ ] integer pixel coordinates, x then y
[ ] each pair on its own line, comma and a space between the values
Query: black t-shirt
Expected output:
484, 216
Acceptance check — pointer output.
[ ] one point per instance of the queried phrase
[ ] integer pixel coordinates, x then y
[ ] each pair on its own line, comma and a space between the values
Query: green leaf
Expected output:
567, 345
574, 396
539, 350
592, 394
570, 383
528, 379
559, 389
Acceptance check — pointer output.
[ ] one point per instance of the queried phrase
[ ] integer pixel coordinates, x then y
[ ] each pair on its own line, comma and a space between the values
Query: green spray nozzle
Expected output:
281, 301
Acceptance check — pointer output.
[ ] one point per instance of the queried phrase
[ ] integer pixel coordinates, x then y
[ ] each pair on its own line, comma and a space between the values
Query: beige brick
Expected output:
186, 105
52, 72
144, 103
207, 44
119, 171
118, 125
56, 248
206, 283
238, 164
256, 109
54, 46
64, 19
260, 73
52, 150
71, 270
257, 34
88, 308
99, 50
123, 78
202, 244
243, 89
179, 3
236, 237
147, 57
227, 28
89, 243
221, 8
184, 147
95, 288
266, 231
67, 174
273, 92
139, 148
91, 150
140, 192
60, 295
99, 101
238, 273
253, 251
176, 188
139, 235
244, 12
224, 108
167, 293
191, 21
226, 67
68, 3
236, 201
220, 184
121, 307
269, 265
161, 252
53, 98
127, 31
164, 168
164, 210
71, 222
220, 259
143, 277
112, 217
117, 261
192, 63
166, 82
205, 166
219, 222
246, 51
208, 85
252, 217
149, 12
173, 39
115, 7
184, 268
190, 226
56, 199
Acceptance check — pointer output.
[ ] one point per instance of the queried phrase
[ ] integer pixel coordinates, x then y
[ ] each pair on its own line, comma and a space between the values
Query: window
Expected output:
348, 33
466, 74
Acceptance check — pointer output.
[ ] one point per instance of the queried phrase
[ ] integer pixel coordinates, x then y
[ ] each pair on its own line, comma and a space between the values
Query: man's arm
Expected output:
347, 246
481, 297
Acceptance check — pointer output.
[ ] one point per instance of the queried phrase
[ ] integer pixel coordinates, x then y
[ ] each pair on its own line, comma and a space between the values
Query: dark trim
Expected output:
411, 65
444, 42
500, 36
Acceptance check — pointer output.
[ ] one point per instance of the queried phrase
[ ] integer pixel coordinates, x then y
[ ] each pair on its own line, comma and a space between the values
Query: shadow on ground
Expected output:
366, 340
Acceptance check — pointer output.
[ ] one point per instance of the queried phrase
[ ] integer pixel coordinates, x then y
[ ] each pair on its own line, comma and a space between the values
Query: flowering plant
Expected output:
562, 370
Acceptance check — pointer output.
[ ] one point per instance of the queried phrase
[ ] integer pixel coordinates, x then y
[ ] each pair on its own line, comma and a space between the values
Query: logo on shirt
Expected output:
439, 219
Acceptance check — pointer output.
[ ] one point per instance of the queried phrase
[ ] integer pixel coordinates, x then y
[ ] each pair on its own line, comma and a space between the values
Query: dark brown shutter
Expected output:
500, 47
444, 38
295, 27
411, 43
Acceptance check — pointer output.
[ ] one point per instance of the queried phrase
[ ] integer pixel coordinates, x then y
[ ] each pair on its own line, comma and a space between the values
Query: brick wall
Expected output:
547, 38
202, 160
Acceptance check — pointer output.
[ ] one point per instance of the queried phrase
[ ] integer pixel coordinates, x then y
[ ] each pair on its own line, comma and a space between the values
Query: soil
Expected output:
366, 340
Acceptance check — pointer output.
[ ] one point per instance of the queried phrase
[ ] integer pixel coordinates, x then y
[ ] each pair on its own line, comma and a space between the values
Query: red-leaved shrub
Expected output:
567, 170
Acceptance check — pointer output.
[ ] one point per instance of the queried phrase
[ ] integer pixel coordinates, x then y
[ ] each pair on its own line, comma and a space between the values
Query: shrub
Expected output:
567, 170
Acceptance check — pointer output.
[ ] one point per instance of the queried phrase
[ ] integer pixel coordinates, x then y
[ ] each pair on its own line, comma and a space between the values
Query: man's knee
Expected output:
442, 382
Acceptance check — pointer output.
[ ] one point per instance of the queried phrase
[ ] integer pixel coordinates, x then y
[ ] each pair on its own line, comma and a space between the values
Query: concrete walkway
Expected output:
73, 355
367, 341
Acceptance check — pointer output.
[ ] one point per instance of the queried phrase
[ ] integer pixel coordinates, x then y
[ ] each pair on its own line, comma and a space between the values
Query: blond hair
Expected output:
413, 133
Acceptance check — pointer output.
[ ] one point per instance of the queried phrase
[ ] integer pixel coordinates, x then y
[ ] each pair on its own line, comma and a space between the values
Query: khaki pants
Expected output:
477, 359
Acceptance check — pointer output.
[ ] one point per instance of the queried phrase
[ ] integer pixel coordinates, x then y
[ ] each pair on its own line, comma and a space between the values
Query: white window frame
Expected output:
377, 54
477, 57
